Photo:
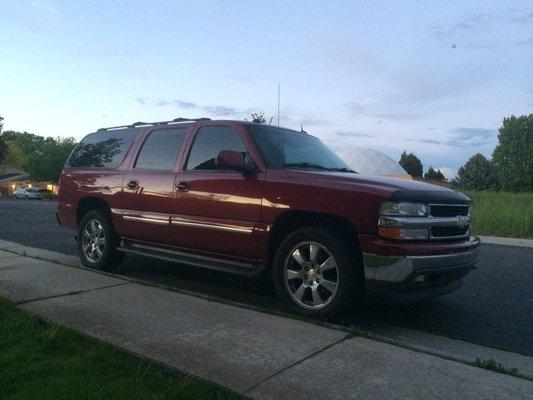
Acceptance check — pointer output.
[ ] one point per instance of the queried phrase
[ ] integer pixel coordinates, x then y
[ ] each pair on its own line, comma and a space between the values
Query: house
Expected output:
11, 179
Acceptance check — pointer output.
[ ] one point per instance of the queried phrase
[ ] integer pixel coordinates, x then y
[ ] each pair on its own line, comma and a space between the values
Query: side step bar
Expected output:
217, 264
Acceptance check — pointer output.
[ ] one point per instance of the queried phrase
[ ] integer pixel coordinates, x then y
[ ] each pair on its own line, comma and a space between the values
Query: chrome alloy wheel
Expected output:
311, 275
93, 241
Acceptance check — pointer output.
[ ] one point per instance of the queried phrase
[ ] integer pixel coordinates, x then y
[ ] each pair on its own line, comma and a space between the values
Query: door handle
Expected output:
133, 185
182, 186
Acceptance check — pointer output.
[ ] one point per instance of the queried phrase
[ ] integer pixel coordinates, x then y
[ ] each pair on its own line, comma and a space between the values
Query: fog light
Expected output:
419, 279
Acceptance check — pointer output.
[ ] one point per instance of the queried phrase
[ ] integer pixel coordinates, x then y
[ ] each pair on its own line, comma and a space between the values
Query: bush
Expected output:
502, 214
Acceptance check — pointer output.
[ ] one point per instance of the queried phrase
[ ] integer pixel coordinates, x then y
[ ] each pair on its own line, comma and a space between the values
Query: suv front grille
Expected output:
441, 232
449, 210
453, 230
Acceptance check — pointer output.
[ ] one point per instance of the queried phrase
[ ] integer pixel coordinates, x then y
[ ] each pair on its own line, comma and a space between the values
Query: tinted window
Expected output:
209, 141
160, 149
296, 149
102, 149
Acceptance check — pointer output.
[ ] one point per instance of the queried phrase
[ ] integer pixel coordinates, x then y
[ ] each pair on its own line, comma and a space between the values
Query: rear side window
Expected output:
160, 149
209, 141
102, 149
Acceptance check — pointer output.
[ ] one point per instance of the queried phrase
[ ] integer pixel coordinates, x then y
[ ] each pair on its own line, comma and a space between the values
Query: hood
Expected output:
398, 189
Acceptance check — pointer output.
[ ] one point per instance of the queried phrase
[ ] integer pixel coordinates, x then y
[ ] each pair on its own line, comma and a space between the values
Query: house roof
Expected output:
13, 175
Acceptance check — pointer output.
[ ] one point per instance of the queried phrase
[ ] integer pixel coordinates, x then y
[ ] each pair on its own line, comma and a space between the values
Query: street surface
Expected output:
493, 308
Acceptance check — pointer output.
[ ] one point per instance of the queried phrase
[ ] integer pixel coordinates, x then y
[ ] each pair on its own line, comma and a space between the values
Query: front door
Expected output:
215, 210
148, 187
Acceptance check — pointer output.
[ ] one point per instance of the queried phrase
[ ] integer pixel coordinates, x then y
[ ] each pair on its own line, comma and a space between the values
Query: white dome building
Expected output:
371, 162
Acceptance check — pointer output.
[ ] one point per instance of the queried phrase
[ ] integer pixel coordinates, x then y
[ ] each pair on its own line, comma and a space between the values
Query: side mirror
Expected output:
236, 160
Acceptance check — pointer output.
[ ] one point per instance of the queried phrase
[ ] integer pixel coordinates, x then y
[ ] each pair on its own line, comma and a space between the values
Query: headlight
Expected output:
389, 226
404, 209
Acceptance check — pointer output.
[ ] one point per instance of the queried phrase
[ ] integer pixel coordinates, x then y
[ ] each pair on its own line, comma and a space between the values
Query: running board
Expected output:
217, 264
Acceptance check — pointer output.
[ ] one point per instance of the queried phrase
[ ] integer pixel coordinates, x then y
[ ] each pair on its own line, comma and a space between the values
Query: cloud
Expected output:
38, 16
185, 104
463, 137
352, 134
523, 19
220, 110
217, 111
383, 110
468, 23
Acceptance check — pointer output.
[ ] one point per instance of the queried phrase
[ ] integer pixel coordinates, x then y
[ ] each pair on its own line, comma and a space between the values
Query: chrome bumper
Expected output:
399, 272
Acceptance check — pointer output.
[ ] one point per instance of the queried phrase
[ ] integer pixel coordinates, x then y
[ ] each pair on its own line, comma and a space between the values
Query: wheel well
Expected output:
90, 203
293, 220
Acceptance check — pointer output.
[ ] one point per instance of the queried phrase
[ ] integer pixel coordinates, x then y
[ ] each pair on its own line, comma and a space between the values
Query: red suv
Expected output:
247, 198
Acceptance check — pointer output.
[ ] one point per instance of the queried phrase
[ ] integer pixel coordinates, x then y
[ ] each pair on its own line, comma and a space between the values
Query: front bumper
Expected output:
412, 271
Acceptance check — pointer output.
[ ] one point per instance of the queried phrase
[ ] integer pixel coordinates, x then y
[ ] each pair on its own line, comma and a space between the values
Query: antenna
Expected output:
279, 150
279, 91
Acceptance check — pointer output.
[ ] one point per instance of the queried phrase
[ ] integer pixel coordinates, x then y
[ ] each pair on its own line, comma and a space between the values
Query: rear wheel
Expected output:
317, 273
98, 242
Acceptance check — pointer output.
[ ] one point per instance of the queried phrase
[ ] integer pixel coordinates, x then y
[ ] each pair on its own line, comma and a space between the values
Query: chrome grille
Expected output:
456, 230
449, 210
442, 232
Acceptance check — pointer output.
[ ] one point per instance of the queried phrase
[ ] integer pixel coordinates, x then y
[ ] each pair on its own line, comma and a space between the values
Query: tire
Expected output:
299, 280
26, 197
98, 242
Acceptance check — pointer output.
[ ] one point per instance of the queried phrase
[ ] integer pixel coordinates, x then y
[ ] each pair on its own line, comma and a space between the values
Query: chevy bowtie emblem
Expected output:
463, 221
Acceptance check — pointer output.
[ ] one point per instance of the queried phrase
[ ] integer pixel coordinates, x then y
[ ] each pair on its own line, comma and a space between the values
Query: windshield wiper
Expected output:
307, 165
343, 169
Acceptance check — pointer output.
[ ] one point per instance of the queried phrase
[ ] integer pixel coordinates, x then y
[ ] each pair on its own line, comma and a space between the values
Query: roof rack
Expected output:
141, 124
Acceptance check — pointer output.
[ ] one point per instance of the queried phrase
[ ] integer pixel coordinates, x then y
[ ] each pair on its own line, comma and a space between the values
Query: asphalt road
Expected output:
493, 308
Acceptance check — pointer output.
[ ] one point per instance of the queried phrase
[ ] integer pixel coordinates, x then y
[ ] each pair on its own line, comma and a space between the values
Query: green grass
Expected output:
43, 361
502, 214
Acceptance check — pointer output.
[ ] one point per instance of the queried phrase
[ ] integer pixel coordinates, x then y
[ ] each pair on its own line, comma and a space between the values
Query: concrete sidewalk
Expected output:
253, 353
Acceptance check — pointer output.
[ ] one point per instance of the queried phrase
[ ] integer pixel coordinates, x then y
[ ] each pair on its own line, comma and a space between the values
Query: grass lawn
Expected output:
502, 214
43, 361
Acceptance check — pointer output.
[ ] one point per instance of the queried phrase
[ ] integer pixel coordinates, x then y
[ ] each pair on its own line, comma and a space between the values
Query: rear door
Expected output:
216, 210
148, 187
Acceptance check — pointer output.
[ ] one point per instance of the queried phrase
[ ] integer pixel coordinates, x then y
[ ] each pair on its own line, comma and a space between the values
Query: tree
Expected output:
13, 158
477, 174
47, 164
3, 145
434, 175
258, 118
27, 142
411, 164
513, 156
3, 149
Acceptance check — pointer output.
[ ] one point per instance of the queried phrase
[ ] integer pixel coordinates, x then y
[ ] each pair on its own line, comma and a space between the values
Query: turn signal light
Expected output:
391, 233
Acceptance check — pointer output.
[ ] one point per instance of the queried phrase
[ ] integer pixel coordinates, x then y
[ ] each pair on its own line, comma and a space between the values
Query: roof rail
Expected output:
140, 124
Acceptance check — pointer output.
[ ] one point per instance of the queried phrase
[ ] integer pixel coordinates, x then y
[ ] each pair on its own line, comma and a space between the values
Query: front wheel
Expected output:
98, 242
317, 273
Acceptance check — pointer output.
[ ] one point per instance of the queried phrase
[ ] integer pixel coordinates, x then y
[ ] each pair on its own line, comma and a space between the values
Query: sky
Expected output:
434, 78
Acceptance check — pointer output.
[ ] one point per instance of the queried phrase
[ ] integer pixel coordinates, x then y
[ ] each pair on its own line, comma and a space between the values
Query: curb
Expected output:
505, 241
416, 344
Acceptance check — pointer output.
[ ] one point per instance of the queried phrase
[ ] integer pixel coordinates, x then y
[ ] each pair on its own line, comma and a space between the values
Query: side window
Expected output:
102, 149
160, 149
209, 141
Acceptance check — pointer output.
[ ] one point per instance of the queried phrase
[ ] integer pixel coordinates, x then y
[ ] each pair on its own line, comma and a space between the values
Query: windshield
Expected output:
297, 150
